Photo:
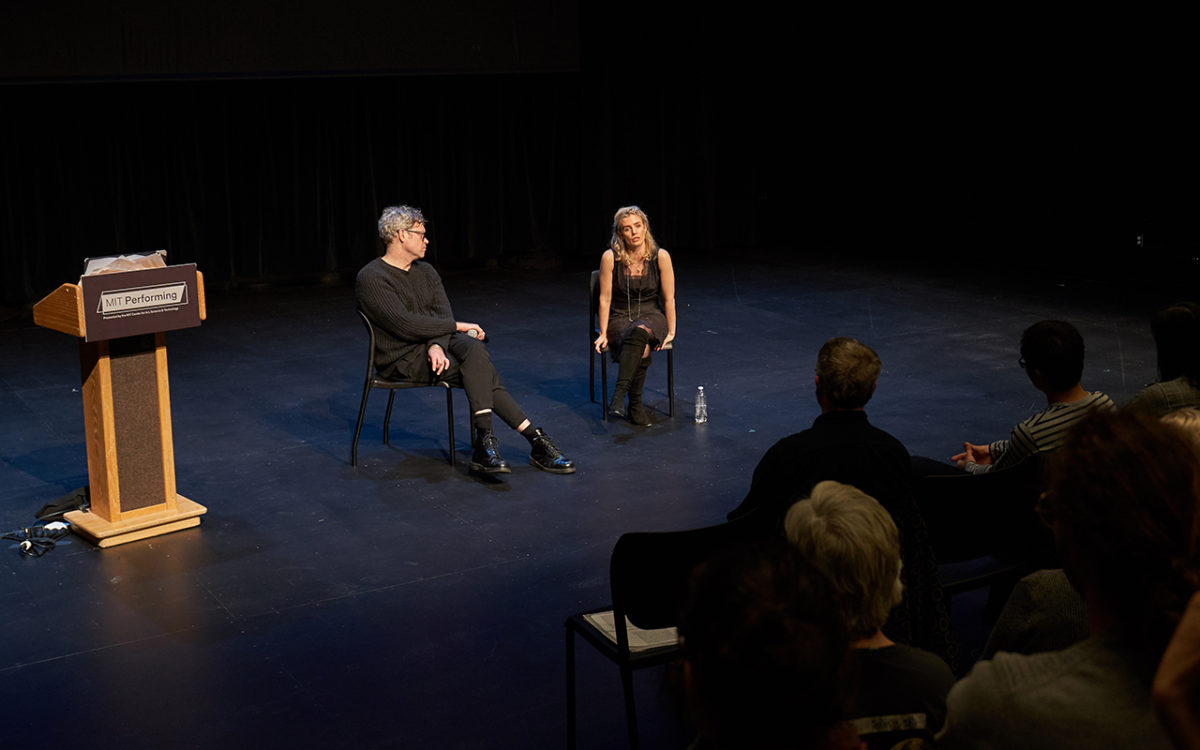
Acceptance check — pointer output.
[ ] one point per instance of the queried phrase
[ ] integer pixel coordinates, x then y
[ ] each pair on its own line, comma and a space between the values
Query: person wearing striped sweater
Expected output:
1052, 357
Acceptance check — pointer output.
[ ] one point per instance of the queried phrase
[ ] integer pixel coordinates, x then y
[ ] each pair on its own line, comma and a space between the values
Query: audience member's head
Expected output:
1122, 500
765, 652
1176, 330
1188, 419
1054, 349
846, 374
853, 540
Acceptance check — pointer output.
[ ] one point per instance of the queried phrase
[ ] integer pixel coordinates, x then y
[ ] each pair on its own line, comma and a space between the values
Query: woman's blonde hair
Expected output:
617, 243
852, 539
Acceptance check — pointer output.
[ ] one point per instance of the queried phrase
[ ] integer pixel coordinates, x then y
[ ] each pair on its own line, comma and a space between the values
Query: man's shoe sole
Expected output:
481, 469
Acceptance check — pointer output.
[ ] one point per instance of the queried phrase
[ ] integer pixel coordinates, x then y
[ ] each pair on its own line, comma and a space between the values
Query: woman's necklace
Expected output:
628, 296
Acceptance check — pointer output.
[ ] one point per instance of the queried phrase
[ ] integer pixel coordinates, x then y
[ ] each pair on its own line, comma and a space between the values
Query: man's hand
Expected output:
976, 454
438, 360
601, 342
670, 337
468, 327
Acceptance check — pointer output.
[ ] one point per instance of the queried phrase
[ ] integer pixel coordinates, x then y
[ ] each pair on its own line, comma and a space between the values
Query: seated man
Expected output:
843, 446
417, 338
1052, 357
840, 445
900, 692
1176, 330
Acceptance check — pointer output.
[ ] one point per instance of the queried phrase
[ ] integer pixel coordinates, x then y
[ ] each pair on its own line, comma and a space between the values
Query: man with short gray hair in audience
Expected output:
843, 446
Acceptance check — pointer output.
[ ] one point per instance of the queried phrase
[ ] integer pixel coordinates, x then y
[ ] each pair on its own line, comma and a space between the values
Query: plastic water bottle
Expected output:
701, 406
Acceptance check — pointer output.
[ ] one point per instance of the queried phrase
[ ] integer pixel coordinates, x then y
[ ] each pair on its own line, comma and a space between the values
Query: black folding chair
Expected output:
372, 380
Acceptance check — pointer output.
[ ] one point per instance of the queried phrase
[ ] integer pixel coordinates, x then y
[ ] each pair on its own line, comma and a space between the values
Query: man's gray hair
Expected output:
853, 540
848, 370
395, 219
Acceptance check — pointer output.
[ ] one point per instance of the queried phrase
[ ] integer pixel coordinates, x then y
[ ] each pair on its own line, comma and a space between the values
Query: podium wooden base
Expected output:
104, 534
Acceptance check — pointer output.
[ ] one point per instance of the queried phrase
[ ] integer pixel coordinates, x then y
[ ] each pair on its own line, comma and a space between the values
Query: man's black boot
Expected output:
487, 459
545, 455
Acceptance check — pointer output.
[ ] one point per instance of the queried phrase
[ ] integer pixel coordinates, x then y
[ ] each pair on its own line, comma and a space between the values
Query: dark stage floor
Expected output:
405, 603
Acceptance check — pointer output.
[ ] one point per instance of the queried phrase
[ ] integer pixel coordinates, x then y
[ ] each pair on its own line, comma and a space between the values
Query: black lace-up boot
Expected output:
487, 459
545, 455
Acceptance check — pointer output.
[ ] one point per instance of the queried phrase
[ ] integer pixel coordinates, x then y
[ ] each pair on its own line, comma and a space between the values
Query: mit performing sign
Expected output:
140, 300
132, 303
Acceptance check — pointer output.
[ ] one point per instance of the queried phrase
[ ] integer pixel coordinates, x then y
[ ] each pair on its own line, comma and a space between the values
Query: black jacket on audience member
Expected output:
845, 447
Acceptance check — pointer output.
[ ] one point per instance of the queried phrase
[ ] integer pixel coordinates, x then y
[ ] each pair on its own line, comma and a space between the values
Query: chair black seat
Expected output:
649, 574
373, 381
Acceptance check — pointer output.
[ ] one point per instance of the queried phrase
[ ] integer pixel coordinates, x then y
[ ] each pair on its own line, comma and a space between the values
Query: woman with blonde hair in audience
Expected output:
899, 693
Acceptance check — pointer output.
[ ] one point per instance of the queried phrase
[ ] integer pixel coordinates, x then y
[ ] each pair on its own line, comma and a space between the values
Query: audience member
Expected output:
1122, 502
1188, 419
1176, 689
843, 446
899, 692
765, 653
1052, 357
1176, 331
1043, 613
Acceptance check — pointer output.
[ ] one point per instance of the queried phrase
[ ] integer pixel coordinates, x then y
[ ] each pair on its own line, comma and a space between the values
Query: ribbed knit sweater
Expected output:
410, 311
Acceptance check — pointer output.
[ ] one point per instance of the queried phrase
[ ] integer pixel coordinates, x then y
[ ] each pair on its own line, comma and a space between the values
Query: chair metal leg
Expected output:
630, 707
362, 409
671, 383
592, 374
571, 728
387, 417
450, 419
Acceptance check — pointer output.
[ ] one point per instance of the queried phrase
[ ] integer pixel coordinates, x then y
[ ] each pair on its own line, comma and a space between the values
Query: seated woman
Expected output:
1176, 330
1122, 501
637, 307
899, 697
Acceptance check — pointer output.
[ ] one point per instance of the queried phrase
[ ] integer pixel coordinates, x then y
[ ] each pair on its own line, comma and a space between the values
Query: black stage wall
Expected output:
261, 142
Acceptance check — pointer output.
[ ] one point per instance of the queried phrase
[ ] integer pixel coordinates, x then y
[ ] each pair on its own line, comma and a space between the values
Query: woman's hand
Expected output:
601, 342
670, 337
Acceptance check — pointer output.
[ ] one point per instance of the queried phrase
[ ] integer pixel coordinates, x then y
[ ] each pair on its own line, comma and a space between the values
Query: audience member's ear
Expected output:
1035, 377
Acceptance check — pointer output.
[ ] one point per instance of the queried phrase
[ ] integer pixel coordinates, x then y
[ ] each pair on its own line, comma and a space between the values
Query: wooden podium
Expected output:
121, 319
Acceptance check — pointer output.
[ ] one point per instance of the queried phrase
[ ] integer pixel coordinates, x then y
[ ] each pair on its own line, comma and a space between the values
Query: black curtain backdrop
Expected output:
768, 134
273, 180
